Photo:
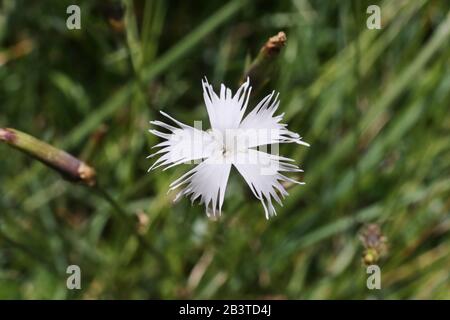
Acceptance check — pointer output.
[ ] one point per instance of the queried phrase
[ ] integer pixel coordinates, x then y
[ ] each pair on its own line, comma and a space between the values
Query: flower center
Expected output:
224, 144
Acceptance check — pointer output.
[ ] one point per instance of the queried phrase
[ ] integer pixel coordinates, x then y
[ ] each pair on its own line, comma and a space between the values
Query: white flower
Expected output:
232, 140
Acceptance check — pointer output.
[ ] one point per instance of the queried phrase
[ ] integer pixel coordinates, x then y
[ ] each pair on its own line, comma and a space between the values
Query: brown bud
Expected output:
274, 44
260, 70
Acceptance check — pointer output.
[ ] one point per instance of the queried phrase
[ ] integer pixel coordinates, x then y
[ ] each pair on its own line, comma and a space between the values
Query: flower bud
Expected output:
67, 165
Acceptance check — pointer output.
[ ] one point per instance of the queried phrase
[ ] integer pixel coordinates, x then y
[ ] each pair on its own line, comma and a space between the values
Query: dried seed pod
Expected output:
374, 242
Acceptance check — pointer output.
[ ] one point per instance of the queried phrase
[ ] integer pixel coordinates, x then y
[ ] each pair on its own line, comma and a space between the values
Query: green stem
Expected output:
29, 252
130, 224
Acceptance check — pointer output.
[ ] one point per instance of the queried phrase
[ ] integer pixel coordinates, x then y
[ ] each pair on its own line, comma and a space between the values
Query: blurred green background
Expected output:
373, 104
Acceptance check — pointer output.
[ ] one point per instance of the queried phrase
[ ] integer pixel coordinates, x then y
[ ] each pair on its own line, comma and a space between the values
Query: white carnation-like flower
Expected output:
232, 140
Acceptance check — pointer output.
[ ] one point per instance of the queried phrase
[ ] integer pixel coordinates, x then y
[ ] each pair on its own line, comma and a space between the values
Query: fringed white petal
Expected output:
181, 144
264, 128
206, 182
262, 172
226, 111
229, 142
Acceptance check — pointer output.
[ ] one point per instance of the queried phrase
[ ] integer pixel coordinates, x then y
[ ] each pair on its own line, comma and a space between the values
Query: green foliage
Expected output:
373, 104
